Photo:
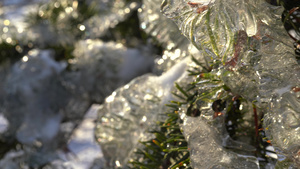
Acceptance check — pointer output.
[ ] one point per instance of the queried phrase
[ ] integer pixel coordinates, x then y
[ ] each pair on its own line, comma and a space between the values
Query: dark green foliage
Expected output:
168, 149
127, 32
12, 52
8, 51
62, 53
7, 146
50, 13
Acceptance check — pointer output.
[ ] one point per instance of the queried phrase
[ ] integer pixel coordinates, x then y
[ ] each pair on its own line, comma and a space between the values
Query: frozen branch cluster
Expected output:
250, 53
240, 44
254, 59
130, 111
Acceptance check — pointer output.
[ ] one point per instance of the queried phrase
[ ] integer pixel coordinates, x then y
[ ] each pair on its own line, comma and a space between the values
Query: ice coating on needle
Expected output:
130, 110
208, 140
208, 150
165, 31
176, 46
214, 33
248, 44
159, 26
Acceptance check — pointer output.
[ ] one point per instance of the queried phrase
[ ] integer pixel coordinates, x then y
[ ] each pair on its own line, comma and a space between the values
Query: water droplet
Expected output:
25, 58
127, 10
5, 29
69, 10
56, 4
118, 164
81, 27
9, 40
6, 22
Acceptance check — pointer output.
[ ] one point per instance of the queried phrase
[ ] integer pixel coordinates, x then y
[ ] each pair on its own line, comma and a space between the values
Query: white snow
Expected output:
3, 124
83, 146
174, 74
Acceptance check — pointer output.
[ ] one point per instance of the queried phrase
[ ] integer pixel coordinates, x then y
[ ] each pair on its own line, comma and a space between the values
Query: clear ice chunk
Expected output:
176, 46
130, 110
154, 23
206, 150
209, 143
